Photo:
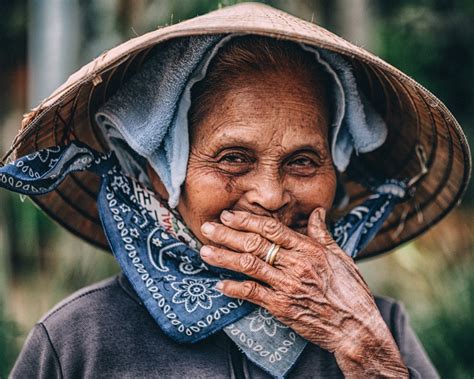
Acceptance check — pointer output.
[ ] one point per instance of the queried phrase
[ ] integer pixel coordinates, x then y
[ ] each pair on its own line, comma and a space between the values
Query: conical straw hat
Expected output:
415, 118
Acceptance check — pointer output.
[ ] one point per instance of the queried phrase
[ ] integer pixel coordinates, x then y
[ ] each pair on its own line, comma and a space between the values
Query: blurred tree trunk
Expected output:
351, 19
53, 45
354, 21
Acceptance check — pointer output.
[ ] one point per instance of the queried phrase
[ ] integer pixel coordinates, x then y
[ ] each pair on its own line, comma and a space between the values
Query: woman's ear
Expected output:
157, 184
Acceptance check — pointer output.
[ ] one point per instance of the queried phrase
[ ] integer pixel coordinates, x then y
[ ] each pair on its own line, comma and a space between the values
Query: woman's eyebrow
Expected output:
226, 141
320, 150
248, 137
318, 147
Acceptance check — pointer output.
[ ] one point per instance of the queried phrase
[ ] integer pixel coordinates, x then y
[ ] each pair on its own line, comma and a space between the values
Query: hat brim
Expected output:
414, 117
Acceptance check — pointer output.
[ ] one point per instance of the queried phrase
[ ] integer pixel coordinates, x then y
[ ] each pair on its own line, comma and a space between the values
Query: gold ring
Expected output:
272, 253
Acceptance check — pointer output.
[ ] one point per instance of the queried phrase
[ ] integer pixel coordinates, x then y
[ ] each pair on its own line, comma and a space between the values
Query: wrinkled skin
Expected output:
260, 172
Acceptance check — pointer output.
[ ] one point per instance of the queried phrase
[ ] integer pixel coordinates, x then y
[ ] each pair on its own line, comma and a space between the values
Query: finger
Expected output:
236, 240
269, 228
246, 290
317, 228
245, 263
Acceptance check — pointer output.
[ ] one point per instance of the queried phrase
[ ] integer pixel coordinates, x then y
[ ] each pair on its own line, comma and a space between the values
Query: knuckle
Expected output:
250, 289
252, 243
245, 219
218, 257
248, 263
284, 309
220, 233
272, 227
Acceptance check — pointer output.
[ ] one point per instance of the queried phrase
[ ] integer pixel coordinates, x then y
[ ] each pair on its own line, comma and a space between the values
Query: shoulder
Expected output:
412, 352
89, 302
394, 314
104, 331
388, 305
93, 314
69, 334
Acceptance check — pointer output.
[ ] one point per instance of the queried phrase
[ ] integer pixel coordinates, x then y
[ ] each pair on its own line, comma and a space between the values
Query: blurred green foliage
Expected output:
13, 33
434, 45
432, 41
9, 333
447, 331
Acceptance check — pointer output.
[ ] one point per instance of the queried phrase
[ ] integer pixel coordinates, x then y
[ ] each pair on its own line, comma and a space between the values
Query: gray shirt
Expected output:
103, 331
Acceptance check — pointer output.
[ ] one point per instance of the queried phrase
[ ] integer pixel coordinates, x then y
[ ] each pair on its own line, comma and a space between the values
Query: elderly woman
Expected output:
229, 150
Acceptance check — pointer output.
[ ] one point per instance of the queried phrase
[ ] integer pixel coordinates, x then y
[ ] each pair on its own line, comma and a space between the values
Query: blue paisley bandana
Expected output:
160, 258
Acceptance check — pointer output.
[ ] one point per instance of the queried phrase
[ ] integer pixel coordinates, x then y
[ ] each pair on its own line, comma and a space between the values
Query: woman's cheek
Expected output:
318, 191
205, 195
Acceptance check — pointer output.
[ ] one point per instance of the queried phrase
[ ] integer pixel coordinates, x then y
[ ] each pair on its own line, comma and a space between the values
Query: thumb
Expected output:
317, 228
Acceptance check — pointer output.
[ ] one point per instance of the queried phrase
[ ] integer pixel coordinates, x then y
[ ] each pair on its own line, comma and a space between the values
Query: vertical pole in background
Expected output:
53, 45
354, 22
53, 52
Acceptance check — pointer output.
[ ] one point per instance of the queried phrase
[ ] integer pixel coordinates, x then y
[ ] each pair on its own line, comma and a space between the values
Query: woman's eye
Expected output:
303, 161
235, 163
233, 158
302, 165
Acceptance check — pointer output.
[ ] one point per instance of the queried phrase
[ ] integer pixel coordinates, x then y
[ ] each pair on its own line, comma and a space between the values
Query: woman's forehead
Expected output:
259, 131
266, 110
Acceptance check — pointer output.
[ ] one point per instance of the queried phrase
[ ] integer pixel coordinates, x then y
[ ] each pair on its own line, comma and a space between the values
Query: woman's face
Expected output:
263, 149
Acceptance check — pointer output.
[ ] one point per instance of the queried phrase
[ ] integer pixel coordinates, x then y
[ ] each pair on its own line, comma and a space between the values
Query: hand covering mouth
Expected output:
296, 222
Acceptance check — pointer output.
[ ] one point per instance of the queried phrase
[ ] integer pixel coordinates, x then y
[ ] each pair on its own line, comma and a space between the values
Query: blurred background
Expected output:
44, 41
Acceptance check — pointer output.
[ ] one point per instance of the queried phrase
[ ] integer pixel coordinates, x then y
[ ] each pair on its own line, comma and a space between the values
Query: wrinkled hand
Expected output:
313, 287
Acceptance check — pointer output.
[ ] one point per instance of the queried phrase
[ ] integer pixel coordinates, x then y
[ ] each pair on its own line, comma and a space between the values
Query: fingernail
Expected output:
322, 214
219, 286
206, 251
227, 216
207, 228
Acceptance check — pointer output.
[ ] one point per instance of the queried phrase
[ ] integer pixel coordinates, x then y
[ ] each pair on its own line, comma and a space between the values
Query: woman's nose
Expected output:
268, 193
